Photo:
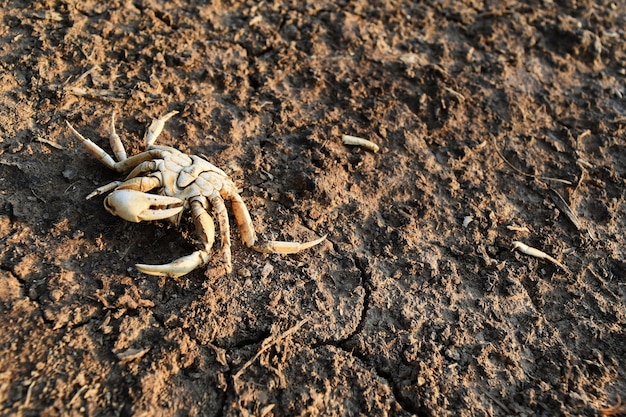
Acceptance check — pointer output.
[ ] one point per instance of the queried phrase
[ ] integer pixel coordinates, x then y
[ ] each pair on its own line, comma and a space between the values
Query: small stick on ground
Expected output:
116, 96
107, 95
562, 205
522, 229
525, 174
500, 403
268, 343
456, 94
559, 201
49, 142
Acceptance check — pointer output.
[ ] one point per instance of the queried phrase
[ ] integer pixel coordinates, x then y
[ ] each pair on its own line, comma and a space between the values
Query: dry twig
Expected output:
525, 174
51, 143
91, 93
562, 205
268, 343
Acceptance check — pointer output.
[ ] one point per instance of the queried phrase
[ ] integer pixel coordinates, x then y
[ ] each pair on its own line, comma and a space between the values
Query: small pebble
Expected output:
70, 172
244, 273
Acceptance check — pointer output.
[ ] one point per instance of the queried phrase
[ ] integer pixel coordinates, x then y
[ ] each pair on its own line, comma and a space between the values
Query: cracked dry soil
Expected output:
415, 305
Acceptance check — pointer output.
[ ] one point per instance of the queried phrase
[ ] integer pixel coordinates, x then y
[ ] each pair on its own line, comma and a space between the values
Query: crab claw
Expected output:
177, 268
135, 206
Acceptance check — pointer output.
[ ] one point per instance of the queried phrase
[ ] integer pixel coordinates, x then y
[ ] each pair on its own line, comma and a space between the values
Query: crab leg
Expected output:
244, 222
181, 266
94, 149
107, 160
277, 246
222, 219
116, 143
140, 184
156, 127
104, 189
177, 268
205, 228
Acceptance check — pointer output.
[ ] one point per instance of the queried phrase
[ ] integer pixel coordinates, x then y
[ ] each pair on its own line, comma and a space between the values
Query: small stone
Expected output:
268, 268
70, 172
244, 273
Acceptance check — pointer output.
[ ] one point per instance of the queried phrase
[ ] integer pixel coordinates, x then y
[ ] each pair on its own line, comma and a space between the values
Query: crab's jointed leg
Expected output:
287, 248
113, 185
205, 227
244, 221
94, 149
122, 165
181, 266
103, 189
219, 208
116, 143
246, 228
156, 127
177, 268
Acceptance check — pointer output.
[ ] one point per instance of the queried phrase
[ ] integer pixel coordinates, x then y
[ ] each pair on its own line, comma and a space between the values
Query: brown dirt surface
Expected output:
416, 303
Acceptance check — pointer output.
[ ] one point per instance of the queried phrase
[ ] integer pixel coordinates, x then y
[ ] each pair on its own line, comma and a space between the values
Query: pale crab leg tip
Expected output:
155, 128
72, 129
103, 189
286, 248
161, 270
177, 268
307, 245
169, 115
116, 143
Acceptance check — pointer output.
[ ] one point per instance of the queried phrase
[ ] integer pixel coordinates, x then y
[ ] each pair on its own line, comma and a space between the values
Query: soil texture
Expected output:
497, 121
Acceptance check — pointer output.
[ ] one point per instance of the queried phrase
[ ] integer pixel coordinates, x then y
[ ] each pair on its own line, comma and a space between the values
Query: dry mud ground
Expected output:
406, 308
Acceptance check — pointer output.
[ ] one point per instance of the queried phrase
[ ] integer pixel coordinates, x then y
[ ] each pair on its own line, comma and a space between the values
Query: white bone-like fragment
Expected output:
467, 220
529, 250
363, 143
131, 354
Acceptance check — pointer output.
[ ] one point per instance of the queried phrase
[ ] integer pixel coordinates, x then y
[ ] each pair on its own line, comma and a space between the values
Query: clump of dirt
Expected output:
497, 122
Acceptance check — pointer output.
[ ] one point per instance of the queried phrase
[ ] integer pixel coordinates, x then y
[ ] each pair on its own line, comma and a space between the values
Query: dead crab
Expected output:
181, 182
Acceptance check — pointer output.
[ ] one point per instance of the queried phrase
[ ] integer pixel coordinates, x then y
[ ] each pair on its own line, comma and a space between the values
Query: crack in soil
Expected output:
362, 264
366, 279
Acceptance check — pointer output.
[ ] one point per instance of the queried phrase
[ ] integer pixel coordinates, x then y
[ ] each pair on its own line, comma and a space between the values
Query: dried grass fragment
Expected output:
356, 141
